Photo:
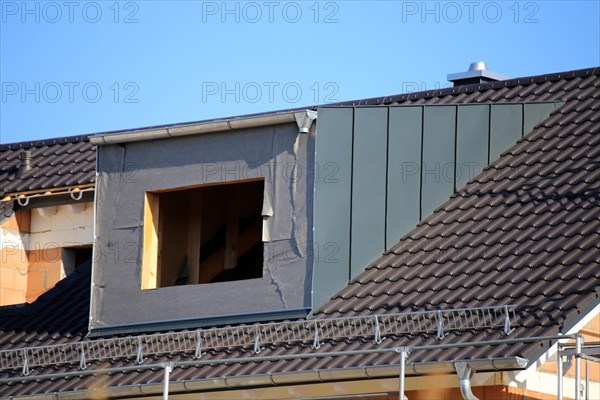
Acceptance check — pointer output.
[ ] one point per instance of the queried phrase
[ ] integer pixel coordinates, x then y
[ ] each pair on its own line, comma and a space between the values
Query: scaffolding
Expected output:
377, 327
578, 351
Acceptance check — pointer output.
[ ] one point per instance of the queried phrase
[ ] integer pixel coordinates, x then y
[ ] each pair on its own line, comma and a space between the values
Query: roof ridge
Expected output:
44, 142
551, 77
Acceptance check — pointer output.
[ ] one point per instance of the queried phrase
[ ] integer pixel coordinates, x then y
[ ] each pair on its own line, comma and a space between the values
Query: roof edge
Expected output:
286, 378
571, 326
234, 123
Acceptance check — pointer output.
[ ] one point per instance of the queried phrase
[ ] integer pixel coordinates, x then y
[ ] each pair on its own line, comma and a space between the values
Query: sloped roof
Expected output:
60, 315
523, 232
58, 162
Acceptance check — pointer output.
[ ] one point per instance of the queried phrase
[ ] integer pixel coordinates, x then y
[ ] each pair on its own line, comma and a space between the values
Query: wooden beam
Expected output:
150, 251
194, 233
213, 266
232, 228
187, 187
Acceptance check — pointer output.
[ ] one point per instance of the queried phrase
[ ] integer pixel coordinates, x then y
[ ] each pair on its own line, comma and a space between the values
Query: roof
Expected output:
59, 315
56, 163
523, 232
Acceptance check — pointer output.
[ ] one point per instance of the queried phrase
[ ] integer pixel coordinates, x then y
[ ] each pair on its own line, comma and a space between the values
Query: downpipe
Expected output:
167, 378
578, 341
465, 373
559, 373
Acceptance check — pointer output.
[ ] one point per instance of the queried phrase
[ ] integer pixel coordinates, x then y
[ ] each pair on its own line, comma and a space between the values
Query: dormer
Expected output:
204, 223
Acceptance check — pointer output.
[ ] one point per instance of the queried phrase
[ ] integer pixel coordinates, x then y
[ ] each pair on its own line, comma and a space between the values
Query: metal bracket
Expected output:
463, 370
567, 363
304, 119
507, 328
316, 343
440, 325
82, 362
257, 341
407, 351
25, 370
378, 339
140, 355
22, 204
198, 352
76, 194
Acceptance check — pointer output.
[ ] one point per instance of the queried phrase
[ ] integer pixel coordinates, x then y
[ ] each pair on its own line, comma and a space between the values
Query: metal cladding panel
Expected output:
437, 168
472, 140
534, 113
368, 187
397, 165
332, 202
404, 166
506, 127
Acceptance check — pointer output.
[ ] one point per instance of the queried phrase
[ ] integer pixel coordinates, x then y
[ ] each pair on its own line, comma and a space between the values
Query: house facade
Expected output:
440, 244
47, 219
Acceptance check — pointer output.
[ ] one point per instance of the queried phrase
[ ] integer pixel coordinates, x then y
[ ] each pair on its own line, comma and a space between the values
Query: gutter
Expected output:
303, 118
263, 380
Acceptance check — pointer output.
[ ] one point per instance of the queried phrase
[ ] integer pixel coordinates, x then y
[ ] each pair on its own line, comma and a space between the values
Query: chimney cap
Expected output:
478, 66
477, 73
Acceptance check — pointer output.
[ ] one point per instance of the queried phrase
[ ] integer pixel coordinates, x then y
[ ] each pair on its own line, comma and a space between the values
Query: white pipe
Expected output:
402, 373
578, 367
168, 369
560, 374
587, 379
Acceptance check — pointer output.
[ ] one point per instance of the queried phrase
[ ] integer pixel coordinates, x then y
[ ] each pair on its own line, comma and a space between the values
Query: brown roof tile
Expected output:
59, 162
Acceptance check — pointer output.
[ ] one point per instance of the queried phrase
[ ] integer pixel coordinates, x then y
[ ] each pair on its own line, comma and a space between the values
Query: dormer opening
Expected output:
205, 234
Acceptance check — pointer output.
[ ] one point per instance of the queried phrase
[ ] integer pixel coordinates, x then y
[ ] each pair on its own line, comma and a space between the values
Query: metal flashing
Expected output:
191, 323
394, 166
491, 75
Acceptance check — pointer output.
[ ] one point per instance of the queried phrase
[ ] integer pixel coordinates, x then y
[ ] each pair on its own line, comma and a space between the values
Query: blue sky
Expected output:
73, 67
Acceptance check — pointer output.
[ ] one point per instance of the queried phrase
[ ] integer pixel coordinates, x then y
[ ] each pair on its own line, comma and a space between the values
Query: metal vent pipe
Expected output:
25, 165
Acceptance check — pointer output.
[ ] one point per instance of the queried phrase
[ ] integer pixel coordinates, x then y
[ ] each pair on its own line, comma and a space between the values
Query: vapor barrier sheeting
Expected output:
127, 171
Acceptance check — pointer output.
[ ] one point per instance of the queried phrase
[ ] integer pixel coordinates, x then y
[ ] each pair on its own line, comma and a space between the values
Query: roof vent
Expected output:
477, 73
25, 166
